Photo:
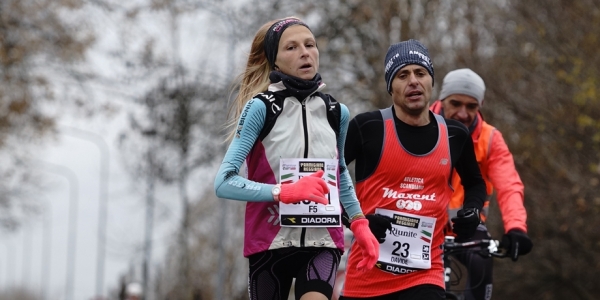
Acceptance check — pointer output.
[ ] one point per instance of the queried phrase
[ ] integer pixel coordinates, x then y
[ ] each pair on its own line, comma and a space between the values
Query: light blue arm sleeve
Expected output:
228, 183
347, 193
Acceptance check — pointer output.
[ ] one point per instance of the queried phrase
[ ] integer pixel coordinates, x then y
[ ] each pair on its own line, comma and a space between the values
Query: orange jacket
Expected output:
498, 170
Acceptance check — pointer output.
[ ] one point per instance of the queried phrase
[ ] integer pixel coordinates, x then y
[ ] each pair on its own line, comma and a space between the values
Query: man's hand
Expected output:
516, 242
379, 225
465, 223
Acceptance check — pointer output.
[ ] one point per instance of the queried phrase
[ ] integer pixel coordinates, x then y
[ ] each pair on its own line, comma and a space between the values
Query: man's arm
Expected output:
352, 146
468, 169
507, 183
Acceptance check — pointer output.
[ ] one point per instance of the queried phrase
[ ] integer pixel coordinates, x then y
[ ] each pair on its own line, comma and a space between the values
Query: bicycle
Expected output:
452, 269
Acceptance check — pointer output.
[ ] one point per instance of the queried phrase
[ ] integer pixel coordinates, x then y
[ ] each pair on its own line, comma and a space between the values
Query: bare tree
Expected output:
34, 42
541, 93
539, 60
544, 95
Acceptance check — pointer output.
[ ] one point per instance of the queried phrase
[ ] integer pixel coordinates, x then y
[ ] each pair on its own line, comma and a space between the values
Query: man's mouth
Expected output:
414, 94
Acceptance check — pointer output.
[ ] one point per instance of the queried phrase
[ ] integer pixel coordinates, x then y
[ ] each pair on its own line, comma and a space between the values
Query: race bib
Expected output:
408, 247
307, 213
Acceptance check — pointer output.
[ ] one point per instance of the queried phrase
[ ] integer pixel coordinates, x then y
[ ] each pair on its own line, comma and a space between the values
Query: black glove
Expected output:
379, 224
465, 223
516, 242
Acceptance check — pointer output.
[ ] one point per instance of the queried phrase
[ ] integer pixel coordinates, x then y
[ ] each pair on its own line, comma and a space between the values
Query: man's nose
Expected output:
412, 79
462, 113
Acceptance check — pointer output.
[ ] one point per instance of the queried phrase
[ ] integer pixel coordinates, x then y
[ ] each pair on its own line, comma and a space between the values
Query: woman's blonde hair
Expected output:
254, 79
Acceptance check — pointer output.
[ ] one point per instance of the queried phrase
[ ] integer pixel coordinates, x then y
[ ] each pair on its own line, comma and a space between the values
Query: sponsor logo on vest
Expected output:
398, 270
315, 220
274, 211
274, 107
409, 205
414, 179
393, 194
411, 186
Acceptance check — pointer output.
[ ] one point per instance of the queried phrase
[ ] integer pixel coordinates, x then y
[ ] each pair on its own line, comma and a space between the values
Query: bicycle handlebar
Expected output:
488, 247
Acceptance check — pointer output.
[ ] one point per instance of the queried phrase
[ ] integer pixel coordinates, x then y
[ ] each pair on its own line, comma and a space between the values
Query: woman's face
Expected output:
298, 54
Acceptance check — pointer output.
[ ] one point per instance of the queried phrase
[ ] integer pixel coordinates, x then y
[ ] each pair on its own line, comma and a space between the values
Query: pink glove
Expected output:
312, 188
367, 242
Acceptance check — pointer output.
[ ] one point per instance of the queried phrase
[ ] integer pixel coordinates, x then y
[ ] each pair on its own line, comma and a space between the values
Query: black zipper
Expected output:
304, 125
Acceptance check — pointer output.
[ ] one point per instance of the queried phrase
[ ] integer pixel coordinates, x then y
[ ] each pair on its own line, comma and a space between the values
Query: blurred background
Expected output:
111, 132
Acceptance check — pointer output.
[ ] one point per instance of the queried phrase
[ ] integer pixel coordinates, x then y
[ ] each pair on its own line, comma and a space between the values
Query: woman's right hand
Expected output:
312, 188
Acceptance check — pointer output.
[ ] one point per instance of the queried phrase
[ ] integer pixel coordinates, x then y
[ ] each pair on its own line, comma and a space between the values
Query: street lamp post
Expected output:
47, 250
72, 228
103, 203
227, 19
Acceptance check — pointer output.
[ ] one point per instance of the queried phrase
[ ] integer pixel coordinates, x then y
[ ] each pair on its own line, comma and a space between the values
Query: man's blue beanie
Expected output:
405, 53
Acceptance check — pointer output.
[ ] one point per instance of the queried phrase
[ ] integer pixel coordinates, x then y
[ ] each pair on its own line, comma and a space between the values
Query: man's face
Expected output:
460, 107
411, 89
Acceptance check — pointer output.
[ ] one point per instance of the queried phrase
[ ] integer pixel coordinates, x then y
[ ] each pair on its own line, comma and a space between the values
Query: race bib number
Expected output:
307, 213
408, 247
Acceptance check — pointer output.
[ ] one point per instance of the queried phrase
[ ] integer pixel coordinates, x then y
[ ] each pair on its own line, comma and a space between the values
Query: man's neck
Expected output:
413, 119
